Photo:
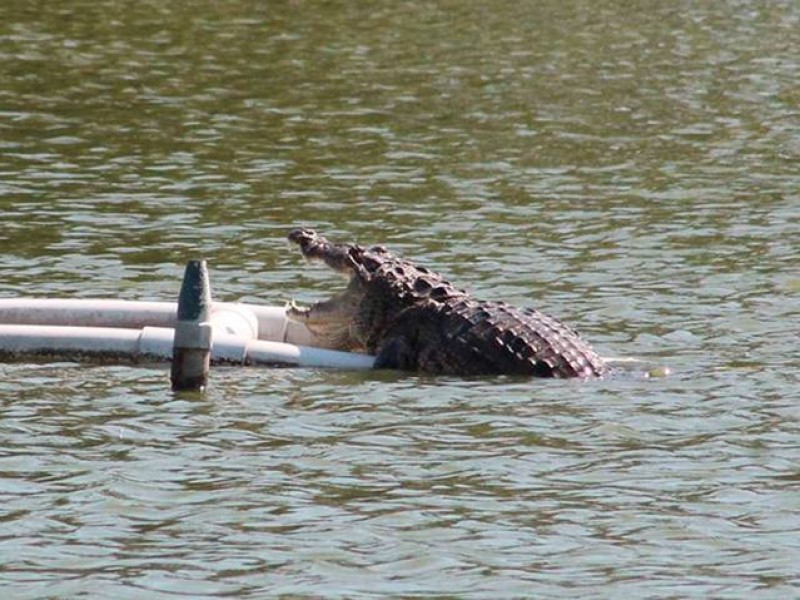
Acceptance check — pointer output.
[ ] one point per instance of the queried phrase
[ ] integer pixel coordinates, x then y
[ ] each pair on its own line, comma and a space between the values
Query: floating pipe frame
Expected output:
130, 331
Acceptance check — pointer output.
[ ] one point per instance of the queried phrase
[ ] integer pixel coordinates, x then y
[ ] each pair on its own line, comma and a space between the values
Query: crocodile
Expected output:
413, 319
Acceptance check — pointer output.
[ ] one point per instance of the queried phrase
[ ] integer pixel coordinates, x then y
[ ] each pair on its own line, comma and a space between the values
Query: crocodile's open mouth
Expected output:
333, 321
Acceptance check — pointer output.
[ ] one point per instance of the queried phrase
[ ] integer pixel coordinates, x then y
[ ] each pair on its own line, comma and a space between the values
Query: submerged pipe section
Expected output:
154, 345
74, 344
191, 350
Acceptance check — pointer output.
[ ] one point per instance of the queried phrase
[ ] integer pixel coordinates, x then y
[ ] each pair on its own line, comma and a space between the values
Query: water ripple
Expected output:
632, 172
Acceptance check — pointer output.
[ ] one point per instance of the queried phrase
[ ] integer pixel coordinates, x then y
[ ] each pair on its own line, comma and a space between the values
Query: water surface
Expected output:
629, 168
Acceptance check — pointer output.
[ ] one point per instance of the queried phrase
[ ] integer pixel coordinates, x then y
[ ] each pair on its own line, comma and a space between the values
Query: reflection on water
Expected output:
630, 170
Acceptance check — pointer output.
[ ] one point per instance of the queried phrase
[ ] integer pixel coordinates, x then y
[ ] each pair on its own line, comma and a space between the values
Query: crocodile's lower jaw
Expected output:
331, 326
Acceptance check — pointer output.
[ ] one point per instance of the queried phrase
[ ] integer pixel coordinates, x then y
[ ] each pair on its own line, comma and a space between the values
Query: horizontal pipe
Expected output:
265, 353
154, 344
272, 323
87, 312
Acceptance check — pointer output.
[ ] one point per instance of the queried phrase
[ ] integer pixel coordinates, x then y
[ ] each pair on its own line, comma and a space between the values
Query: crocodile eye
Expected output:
421, 286
370, 263
439, 292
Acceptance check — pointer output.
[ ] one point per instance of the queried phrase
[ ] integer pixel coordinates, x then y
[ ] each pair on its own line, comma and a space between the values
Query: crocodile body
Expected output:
412, 319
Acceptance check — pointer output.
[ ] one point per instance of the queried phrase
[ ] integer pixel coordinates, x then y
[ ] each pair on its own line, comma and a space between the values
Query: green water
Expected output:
630, 167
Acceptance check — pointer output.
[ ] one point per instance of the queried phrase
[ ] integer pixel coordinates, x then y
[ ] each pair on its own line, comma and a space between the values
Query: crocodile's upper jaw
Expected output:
342, 258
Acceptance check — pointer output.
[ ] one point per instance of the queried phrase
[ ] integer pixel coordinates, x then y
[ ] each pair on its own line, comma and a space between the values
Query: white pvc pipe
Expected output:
264, 353
274, 325
154, 344
87, 312
234, 320
32, 340
270, 322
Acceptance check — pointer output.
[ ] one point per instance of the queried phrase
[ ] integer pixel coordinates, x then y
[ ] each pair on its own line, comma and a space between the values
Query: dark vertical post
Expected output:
191, 351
